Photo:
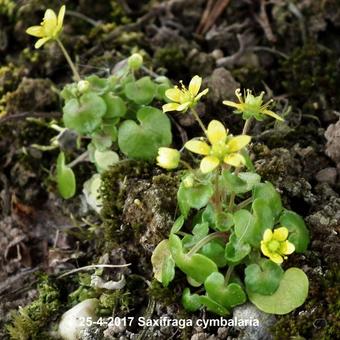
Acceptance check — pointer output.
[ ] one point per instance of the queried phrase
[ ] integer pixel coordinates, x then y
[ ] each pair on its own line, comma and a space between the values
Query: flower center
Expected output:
219, 150
274, 245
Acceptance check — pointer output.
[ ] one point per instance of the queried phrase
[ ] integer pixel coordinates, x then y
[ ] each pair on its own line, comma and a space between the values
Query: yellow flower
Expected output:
184, 98
251, 106
275, 244
50, 27
223, 148
168, 158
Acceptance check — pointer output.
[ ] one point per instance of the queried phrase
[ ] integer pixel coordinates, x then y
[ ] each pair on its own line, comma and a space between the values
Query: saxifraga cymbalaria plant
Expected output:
233, 233
110, 114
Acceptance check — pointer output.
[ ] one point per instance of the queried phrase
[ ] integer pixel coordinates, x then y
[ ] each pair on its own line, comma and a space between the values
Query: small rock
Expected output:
332, 135
249, 312
327, 175
221, 85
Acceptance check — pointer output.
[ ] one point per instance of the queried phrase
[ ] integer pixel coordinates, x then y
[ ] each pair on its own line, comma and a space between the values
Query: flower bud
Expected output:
188, 181
135, 61
168, 158
83, 86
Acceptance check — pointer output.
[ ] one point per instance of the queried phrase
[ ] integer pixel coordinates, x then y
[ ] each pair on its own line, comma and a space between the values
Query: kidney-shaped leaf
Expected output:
141, 141
264, 278
84, 114
298, 232
291, 294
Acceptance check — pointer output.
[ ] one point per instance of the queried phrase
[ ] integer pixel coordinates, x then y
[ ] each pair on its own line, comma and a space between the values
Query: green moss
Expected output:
29, 321
113, 191
170, 57
116, 300
313, 70
321, 312
164, 294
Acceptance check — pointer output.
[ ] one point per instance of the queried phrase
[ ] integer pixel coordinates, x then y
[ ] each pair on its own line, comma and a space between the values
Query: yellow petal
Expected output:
237, 143
41, 42
60, 19
280, 234
197, 146
265, 250
183, 107
287, 248
50, 22
267, 235
36, 31
170, 107
276, 258
195, 85
216, 132
201, 94
174, 94
234, 159
273, 114
209, 163
232, 104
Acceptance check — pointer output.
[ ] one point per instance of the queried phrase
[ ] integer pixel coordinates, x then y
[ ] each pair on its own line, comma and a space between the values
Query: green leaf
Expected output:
250, 178
263, 219
191, 302
65, 178
197, 266
244, 226
104, 159
215, 251
98, 85
101, 141
69, 91
178, 224
116, 106
199, 231
142, 141
220, 221
213, 306
196, 196
163, 263
233, 183
84, 115
264, 278
291, 294
141, 91
236, 250
267, 192
227, 296
298, 232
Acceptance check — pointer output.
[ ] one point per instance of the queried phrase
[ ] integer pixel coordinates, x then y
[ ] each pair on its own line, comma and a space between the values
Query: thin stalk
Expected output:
205, 240
231, 202
81, 158
195, 114
246, 126
228, 274
93, 266
186, 164
244, 203
69, 60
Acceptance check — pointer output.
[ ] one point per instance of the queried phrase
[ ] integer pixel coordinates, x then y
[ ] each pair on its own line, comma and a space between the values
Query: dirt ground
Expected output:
290, 49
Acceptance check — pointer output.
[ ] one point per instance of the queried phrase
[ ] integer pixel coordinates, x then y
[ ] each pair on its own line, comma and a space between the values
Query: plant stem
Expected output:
246, 126
228, 274
186, 164
69, 60
231, 202
244, 203
205, 240
195, 114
